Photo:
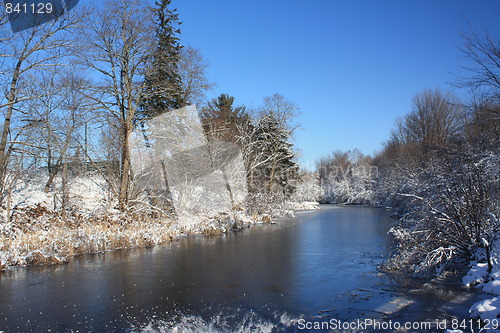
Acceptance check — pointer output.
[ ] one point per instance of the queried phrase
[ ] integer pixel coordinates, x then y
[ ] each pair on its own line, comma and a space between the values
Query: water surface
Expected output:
317, 266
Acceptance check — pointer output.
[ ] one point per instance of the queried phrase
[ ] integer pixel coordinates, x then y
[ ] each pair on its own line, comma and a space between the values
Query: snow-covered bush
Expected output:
455, 213
347, 177
307, 189
262, 206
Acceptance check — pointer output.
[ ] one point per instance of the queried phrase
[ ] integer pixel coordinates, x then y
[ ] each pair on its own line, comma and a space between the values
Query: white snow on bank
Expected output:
34, 229
487, 309
306, 205
476, 275
489, 283
492, 287
88, 195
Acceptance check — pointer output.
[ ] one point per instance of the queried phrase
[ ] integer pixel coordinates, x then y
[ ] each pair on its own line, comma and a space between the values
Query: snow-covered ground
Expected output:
34, 229
489, 283
306, 205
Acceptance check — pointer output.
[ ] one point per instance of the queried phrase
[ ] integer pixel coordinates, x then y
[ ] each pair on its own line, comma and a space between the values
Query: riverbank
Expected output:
488, 281
51, 239
35, 231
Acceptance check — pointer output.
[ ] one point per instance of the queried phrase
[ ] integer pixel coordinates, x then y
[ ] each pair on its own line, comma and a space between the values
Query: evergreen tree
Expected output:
163, 86
281, 171
221, 118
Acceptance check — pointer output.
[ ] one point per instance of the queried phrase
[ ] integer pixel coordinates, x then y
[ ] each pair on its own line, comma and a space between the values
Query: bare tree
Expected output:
483, 125
483, 50
254, 156
195, 82
65, 114
347, 177
25, 55
283, 110
114, 45
434, 120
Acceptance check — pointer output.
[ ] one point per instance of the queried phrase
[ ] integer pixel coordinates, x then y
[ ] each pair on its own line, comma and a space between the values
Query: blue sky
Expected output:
351, 66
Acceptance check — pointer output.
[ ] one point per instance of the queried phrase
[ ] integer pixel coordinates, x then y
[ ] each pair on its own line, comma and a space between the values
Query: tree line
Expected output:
439, 169
75, 88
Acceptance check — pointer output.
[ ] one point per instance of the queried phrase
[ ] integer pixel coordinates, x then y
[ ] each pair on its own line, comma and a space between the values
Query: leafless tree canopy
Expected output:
434, 120
195, 82
113, 46
483, 51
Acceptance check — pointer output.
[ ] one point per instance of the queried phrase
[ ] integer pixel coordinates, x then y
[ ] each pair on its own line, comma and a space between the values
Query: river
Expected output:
318, 267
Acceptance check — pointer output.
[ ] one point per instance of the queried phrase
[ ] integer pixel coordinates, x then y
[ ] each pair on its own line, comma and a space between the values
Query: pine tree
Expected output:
221, 118
163, 86
163, 90
280, 172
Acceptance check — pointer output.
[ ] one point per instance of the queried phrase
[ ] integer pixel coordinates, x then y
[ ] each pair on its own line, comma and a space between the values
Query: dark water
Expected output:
318, 266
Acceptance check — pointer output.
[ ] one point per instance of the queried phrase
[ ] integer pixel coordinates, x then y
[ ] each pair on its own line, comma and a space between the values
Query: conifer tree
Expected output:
163, 86
221, 118
280, 172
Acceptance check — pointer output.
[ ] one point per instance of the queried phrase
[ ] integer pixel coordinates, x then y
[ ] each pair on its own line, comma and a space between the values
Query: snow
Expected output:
476, 275
34, 230
487, 309
89, 193
492, 287
306, 205
489, 283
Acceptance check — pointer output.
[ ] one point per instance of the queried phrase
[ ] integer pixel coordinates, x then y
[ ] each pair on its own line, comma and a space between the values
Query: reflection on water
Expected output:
319, 265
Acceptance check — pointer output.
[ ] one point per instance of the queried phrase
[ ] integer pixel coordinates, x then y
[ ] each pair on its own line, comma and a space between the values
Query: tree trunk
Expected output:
65, 194
271, 176
54, 169
11, 100
125, 170
487, 247
168, 193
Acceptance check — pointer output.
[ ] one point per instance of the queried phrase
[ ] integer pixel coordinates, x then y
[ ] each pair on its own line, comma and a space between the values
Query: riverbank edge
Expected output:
487, 280
42, 237
476, 276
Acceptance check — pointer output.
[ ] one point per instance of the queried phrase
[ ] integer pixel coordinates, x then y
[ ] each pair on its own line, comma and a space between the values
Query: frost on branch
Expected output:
450, 218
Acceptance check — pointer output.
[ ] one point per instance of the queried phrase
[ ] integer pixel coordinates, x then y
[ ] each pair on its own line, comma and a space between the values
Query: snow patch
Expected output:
306, 205
476, 275
489, 283
487, 309
492, 287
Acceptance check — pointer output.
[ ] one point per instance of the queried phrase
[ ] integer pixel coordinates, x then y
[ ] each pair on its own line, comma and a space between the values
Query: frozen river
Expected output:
318, 267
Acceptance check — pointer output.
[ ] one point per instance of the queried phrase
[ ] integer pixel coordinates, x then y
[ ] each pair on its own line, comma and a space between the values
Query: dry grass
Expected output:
38, 236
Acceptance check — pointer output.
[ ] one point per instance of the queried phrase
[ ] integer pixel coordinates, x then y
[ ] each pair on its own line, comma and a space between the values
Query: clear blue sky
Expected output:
351, 66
